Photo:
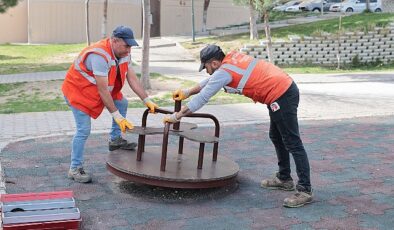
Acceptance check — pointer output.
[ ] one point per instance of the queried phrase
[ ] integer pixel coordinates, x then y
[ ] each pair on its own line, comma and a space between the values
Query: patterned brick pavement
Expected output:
352, 174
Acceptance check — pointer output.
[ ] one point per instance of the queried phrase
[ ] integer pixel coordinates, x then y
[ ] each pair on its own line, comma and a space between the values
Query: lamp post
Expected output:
193, 33
28, 23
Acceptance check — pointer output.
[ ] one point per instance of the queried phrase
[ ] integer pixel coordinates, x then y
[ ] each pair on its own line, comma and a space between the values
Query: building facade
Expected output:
64, 21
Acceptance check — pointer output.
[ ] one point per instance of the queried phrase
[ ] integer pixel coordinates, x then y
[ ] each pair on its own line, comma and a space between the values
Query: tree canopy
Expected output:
5, 4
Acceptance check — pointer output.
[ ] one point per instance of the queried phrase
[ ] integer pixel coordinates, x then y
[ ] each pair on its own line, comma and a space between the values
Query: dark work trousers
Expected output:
285, 136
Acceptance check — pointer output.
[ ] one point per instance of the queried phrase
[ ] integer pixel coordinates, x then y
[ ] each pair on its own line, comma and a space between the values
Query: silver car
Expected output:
316, 5
357, 6
286, 5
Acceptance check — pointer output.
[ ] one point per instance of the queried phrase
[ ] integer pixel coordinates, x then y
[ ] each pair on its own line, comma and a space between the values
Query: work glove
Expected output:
171, 118
121, 121
150, 104
180, 94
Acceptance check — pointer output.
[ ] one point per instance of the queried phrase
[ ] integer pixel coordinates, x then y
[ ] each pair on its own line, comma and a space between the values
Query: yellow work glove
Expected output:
150, 104
180, 94
171, 118
121, 121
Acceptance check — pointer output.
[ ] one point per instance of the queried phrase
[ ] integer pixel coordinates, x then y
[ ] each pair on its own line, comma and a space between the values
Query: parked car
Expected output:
357, 6
294, 8
288, 4
315, 5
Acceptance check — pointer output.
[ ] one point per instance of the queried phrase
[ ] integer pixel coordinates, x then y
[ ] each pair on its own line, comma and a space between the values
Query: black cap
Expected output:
126, 34
207, 54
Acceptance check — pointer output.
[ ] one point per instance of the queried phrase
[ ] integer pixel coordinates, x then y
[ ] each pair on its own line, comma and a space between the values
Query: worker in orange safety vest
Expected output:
94, 82
265, 83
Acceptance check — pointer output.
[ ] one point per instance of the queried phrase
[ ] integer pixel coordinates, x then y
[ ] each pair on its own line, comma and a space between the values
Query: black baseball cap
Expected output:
126, 34
208, 53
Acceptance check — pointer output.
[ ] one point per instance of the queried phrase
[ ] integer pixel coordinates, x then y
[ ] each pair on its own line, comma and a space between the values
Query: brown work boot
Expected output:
276, 183
79, 175
120, 143
298, 199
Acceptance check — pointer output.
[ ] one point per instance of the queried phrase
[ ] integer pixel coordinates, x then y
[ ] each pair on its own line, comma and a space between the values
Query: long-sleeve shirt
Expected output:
209, 87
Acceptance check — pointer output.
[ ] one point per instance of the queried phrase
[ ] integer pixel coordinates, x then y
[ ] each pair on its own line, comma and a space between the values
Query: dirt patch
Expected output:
47, 90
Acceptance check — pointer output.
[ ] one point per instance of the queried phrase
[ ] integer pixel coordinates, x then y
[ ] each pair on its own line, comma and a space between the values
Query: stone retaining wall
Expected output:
388, 5
370, 46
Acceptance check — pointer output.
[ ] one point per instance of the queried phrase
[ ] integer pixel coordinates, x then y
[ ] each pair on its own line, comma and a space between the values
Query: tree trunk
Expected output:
253, 21
87, 21
204, 15
145, 81
368, 5
268, 36
104, 25
339, 42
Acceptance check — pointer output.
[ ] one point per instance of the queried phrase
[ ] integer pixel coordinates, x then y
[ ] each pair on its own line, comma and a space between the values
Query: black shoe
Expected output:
120, 143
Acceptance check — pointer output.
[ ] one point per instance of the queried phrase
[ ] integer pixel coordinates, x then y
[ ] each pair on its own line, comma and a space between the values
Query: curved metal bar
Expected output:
146, 113
177, 108
141, 138
217, 130
144, 118
164, 147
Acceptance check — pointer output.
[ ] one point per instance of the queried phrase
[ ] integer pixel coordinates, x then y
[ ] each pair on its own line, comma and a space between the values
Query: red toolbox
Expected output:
47, 210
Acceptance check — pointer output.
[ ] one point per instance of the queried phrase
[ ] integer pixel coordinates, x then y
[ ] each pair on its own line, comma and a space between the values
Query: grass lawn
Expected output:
37, 58
29, 96
276, 16
356, 22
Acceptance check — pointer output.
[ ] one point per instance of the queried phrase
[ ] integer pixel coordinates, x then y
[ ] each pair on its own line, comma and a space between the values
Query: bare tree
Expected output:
264, 7
368, 6
253, 21
252, 16
87, 21
145, 80
268, 36
204, 15
104, 25
339, 42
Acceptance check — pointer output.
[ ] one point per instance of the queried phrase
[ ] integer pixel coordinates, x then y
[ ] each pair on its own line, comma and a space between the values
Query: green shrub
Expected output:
356, 62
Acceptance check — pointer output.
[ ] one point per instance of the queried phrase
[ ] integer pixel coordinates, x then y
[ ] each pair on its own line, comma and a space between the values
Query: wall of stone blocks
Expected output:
369, 46
388, 6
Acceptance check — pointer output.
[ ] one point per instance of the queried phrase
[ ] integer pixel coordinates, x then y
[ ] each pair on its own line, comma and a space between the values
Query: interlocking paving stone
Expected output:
352, 176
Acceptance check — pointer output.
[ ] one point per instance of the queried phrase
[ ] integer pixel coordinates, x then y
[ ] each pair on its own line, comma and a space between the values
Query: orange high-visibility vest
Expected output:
79, 85
254, 78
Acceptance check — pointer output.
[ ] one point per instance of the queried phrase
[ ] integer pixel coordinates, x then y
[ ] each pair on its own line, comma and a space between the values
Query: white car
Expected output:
357, 6
293, 8
288, 4
316, 5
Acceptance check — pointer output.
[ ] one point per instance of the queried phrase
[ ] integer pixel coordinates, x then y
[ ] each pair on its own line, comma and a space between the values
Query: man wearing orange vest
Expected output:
265, 83
94, 82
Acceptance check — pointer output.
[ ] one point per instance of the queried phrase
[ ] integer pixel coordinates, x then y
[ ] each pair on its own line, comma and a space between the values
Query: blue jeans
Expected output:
83, 125
285, 135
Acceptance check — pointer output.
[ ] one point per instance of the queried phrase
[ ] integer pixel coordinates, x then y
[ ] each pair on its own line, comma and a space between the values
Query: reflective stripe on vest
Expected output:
245, 75
91, 79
